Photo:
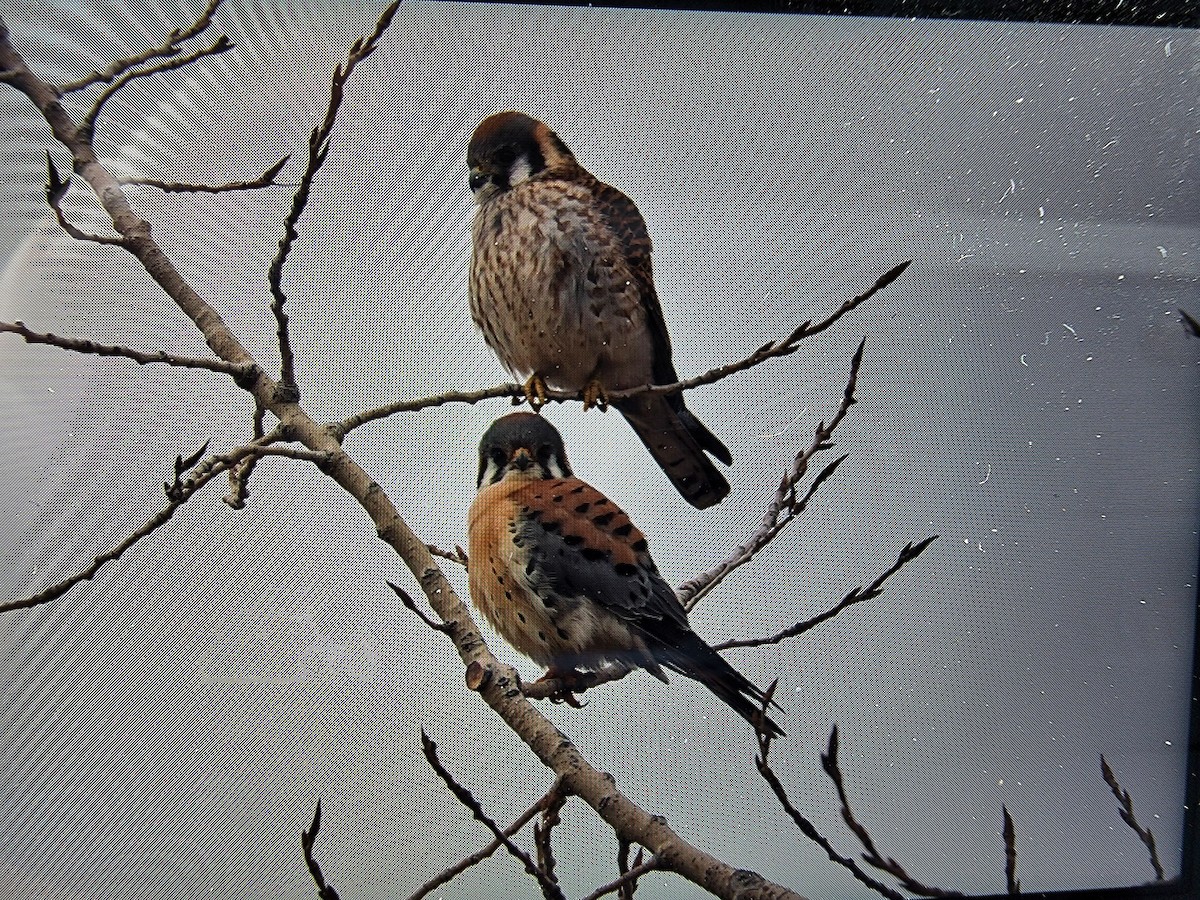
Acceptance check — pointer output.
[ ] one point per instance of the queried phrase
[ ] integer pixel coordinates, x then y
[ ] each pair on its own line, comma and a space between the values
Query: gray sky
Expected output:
1027, 393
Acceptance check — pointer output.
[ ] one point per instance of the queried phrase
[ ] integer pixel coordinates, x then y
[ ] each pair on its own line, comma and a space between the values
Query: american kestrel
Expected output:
562, 288
567, 579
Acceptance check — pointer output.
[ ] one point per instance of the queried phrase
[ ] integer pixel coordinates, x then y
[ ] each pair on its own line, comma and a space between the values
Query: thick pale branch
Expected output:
170, 47
143, 357
56, 189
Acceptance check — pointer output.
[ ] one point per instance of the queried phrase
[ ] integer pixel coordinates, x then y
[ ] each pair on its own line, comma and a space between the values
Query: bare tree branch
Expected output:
550, 889
786, 505
142, 357
318, 150
479, 856
806, 827
307, 839
177, 494
783, 347
88, 122
56, 189
1145, 835
167, 48
266, 179
1189, 322
909, 552
872, 856
495, 682
542, 832
1010, 854
627, 880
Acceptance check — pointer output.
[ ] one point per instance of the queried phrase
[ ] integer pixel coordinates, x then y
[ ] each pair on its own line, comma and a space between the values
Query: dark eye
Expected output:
498, 456
545, 453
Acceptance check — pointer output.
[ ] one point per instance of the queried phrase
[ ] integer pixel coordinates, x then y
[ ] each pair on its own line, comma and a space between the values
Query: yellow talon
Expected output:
593, 395
535, 392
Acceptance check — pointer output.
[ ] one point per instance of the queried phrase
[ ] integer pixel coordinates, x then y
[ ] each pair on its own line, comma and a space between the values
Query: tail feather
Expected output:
678, 441
692, 657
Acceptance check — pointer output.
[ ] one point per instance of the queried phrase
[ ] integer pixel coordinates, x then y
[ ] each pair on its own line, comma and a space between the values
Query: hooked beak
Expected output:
521, 460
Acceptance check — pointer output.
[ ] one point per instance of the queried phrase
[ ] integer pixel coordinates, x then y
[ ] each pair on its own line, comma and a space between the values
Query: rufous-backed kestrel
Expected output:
567, 579
562, 287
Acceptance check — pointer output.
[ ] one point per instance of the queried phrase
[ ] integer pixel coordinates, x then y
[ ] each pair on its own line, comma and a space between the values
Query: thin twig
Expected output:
56, 189
318, 150
542, 832
239, 475
872, 856
307, 839
142, 357
807, 827
627, 880
786, 505
266, 179
782, 347
457, 555
88, 122
480, 855
1189, 322
909, 552
147, 528
1144, 834
550, 890
1010, 854
167, 48
411, 604
177, 494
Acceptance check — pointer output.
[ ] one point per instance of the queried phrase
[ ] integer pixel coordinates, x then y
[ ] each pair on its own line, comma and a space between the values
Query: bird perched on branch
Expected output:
562, 288
567, 579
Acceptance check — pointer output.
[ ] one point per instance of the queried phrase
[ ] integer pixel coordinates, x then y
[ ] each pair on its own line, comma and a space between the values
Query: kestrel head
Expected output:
511, 147
521, 445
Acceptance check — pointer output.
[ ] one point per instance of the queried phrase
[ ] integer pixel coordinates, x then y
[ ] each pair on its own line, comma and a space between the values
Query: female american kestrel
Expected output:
562, 288
566, 578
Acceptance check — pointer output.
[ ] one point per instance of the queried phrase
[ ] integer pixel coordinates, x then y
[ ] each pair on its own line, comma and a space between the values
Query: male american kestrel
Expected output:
567, 579
562, 288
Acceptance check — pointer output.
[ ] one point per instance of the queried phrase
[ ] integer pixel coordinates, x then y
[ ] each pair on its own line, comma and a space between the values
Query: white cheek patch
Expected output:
491, 473
519, 171
555, 468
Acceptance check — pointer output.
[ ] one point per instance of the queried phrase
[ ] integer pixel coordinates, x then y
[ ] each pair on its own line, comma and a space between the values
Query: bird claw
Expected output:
567, 683
594, 395
535, 391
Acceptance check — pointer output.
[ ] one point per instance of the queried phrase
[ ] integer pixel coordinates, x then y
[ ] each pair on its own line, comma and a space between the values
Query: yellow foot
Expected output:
593, 395
535, 392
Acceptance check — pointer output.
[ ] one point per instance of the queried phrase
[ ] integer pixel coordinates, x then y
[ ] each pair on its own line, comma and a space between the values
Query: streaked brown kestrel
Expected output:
563, 290
567, 579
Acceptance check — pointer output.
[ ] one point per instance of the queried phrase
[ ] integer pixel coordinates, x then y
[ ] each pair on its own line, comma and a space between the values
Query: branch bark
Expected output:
497, 683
